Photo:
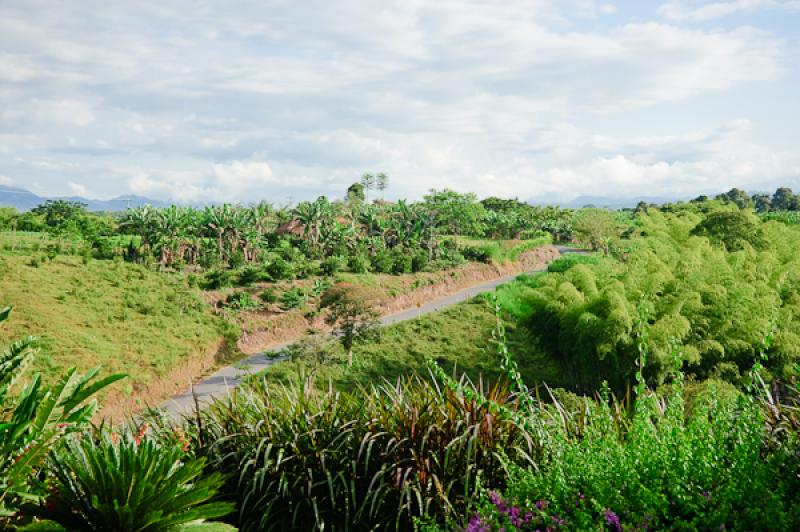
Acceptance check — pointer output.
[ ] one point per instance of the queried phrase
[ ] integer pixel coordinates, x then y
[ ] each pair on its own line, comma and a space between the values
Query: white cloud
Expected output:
242, 175
700, 11
5, 180
283, 99
78, 189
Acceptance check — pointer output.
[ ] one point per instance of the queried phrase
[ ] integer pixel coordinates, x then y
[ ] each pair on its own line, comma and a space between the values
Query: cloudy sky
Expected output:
241, 101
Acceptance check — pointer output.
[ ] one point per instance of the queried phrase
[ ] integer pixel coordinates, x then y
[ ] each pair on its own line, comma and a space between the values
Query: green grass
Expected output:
88, 312
459, 338
566, 262
503, 251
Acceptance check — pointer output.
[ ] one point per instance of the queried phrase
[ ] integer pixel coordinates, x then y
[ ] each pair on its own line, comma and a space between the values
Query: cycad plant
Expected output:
130, 483
35, 418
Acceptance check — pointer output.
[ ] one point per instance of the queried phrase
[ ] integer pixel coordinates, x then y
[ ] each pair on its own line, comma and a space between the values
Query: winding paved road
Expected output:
220, 382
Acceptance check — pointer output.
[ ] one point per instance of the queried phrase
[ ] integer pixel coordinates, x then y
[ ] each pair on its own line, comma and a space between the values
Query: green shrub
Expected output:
402, 262
250, 275
216, 279
279, 269
419, 261
662, 470
333, 265
565, 262
383, 261
268, 296
293, 298
130, 484
485, 254
718, 304
358, 263
241, 300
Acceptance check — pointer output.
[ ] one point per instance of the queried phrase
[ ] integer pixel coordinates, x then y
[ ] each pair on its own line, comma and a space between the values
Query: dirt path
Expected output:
221, 381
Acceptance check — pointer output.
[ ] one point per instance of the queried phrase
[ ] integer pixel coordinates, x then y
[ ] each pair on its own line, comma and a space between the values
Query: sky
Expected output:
206, 101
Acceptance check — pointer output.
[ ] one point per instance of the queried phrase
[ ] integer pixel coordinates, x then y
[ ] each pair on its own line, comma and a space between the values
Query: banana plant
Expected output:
33, 420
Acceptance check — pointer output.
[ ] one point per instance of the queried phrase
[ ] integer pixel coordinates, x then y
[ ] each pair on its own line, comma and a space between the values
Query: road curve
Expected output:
228, 377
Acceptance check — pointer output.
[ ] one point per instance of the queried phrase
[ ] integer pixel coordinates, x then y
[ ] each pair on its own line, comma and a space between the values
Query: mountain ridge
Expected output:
25, 200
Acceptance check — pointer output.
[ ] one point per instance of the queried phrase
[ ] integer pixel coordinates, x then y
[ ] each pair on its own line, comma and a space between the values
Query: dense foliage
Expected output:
34, 419
320, 236
305, 459
660, 468
130, 483
716, 294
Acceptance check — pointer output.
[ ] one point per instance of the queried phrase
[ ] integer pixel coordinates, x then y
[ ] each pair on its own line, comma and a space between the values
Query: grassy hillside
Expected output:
88, 312
459, 337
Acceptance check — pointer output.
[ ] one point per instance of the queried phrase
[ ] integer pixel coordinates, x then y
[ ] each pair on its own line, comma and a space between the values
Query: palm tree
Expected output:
368, 182
382, 182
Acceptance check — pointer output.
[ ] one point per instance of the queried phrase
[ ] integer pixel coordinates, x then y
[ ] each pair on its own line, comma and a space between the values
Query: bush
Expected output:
279, 269
216, 279
383, 261
241, 300
293, 298
130, 484
402, 262
250, 275
709, 470
565, 262
419, 261
268, 296
483, 254
359, 263
333, 265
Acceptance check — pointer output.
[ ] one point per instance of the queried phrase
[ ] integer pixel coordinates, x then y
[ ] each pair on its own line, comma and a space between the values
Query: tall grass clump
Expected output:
307, 459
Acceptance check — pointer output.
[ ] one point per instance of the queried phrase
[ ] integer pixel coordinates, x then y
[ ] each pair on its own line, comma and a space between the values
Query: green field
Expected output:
87, 312
458, 338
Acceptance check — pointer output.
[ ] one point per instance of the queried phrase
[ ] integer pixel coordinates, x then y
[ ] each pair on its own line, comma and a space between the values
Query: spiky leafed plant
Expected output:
33, 420
305, 459
133, 483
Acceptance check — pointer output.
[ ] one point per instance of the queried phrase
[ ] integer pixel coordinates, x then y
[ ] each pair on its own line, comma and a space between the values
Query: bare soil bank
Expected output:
281, 328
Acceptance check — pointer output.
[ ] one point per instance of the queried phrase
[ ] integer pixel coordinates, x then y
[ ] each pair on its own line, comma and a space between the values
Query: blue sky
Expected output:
242, 101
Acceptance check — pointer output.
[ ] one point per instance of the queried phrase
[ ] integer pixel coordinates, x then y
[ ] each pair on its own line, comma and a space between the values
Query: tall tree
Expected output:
597, 228
350, 314
737, 196
382, 183
368, 182
355, 192
785, 200
762, 202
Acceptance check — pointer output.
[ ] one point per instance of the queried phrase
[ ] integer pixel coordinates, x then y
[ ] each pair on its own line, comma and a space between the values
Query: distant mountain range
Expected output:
604, 201
25, 200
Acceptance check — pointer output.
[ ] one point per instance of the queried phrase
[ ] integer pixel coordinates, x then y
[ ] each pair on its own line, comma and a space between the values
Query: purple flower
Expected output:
581, 498
706, 494
557, 520
477, 525
612, 519
501, 506
541, 504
